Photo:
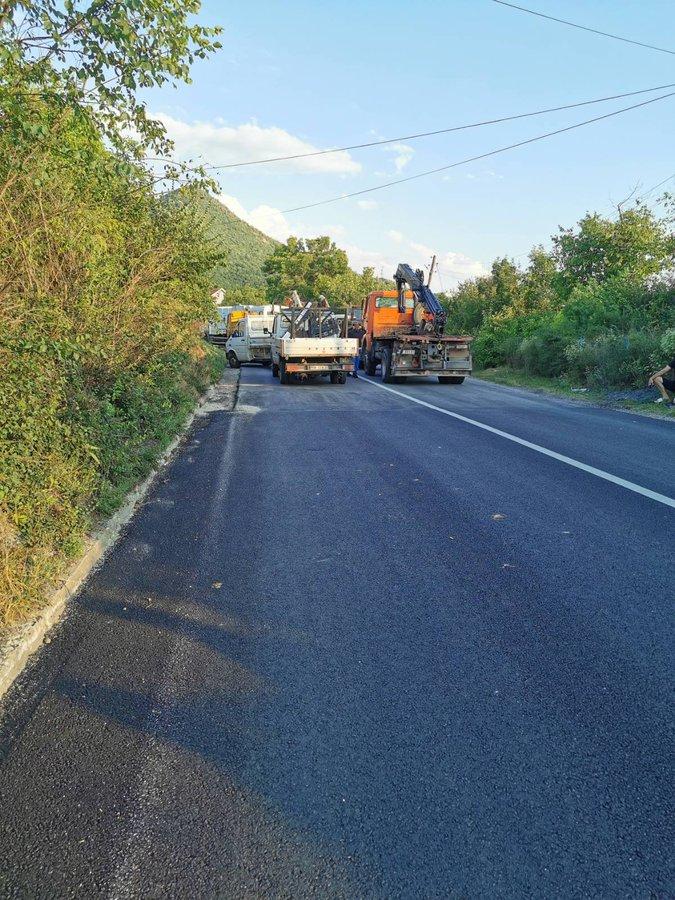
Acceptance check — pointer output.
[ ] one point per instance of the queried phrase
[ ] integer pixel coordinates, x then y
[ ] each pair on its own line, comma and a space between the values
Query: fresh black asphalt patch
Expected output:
349, 647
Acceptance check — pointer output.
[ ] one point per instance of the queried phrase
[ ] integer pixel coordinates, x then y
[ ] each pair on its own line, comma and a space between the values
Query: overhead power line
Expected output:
422, 134
462, 162
615, 37
660, 184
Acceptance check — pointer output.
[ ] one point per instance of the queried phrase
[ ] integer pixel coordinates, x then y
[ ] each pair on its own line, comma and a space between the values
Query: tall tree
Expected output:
91, 57
304, 265
634, 245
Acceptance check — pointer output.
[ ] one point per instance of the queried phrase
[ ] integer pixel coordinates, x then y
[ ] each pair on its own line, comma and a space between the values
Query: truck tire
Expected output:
275, 370
335, 377
232, 360
368, 361
284, 377
451, 379
385, 366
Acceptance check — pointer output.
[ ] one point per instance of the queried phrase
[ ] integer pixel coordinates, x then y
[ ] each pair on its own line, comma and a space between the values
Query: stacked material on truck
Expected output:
307, 341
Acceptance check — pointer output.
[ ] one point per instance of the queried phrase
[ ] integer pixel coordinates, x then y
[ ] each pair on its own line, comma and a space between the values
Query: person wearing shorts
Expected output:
664, 382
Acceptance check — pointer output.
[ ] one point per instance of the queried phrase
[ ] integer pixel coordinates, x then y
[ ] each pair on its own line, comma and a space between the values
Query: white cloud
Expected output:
485, 175
271, 221
360, 258
265, 218
404, 154
459, 267
367, 204
454, 267
217, 144
421, 249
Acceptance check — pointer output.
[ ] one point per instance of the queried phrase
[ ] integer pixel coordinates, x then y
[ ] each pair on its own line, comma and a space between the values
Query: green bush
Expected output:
100, 347
498, 341
620, 305
592, 308
668, 344
614, 360
543, 353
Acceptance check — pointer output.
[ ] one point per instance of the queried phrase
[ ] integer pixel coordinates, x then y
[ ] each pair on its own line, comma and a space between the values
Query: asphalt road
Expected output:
351, 646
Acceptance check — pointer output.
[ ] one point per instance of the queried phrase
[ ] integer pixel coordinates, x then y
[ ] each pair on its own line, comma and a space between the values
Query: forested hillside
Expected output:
255, 268
244, 249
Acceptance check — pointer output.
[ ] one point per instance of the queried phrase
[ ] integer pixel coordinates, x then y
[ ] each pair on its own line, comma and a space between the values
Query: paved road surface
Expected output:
351, 646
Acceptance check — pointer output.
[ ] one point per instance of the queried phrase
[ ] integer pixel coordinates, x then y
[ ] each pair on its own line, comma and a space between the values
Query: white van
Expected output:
250, 342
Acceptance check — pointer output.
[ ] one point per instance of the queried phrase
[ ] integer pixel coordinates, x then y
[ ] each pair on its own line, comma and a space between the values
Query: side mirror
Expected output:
266, 331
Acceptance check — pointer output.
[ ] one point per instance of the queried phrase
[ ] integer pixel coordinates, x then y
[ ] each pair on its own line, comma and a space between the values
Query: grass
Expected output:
561, 387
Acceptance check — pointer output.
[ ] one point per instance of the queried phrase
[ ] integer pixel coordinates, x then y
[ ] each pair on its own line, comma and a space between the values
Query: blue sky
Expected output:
300, 75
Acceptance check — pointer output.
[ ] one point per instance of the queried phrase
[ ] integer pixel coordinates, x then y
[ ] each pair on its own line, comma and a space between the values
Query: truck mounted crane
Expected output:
404, 333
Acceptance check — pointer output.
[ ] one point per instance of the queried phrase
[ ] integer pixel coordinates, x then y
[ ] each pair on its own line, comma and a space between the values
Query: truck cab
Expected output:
382, 317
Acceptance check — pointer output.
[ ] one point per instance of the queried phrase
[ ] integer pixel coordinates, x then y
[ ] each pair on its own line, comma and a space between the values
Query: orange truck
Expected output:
404, 334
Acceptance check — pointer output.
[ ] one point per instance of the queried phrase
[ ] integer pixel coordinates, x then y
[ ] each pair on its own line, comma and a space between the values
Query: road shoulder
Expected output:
19, 643
562, 390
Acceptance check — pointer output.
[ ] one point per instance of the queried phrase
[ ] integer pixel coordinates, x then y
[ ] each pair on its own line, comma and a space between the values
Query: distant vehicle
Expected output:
250, 342
309, 340
405, 334
355, 314
216, 331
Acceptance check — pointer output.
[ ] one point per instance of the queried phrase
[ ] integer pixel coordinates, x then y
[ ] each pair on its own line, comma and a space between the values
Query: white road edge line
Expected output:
599, 473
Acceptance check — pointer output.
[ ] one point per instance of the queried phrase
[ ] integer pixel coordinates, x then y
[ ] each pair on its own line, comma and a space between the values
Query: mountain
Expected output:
245, 247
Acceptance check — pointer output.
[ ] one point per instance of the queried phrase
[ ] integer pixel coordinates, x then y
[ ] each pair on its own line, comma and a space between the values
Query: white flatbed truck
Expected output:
309, 341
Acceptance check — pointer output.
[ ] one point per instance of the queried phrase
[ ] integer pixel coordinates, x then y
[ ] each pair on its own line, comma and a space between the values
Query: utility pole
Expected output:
431, 269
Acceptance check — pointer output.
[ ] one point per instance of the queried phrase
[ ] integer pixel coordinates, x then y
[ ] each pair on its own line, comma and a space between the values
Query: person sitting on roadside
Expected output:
664, 382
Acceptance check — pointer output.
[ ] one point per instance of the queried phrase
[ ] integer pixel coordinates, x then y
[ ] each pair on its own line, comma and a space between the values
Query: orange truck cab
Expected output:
398, 342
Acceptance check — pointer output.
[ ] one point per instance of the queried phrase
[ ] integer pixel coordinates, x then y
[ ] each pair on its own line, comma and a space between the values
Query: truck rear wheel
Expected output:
451, 379
336, 378
368, 363
232, 360
386, 366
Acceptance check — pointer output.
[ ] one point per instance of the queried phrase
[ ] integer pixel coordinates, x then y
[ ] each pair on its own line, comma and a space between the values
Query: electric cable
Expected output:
615, 37
470, 159
422, 134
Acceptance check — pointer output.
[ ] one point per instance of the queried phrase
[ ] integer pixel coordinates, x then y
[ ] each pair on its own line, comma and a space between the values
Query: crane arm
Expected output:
423, 294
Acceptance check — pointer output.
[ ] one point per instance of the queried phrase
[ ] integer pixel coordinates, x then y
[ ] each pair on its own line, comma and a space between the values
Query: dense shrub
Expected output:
103, 281
103, 286
543, 353
668, 344
599, 309
614, 359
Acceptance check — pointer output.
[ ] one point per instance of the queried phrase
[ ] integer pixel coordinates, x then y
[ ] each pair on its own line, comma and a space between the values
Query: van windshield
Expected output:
259, 327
